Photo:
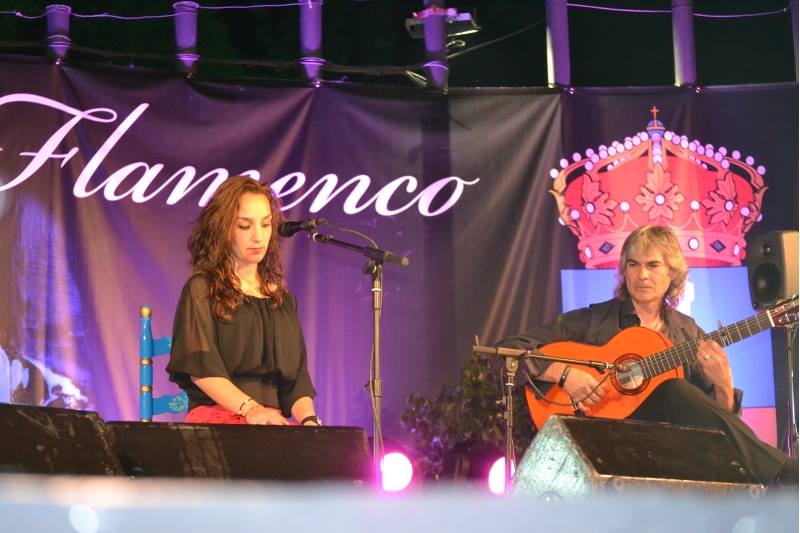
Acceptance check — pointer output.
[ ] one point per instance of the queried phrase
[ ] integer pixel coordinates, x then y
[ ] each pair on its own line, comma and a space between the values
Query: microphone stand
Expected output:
374, 268
790, 440
512, 357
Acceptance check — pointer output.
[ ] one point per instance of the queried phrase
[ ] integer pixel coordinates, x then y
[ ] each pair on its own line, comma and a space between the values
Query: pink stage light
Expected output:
497, 474
396, 472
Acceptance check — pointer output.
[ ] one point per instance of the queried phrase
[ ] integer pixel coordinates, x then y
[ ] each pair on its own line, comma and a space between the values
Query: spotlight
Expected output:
497, 476
457, 23
476, 462
396, 472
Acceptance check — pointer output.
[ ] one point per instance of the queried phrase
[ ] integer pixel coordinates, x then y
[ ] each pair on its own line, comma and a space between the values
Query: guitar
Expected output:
644, 359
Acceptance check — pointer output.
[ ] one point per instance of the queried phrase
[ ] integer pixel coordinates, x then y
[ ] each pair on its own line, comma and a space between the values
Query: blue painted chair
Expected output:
148, 349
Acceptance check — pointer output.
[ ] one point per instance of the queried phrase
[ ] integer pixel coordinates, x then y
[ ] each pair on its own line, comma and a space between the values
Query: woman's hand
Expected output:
580, 387
265, 416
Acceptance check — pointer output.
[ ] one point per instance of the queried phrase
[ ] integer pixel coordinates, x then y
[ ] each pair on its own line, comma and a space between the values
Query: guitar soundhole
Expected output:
630, 380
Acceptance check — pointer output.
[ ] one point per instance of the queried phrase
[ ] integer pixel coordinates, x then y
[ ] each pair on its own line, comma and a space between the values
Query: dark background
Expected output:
607, 48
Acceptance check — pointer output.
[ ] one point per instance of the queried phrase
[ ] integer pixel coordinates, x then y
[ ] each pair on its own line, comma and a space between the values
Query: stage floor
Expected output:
49, 504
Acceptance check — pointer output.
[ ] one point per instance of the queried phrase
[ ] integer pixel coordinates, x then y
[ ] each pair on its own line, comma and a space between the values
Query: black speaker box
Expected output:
45, 440
577, 457
225, 451
772, 267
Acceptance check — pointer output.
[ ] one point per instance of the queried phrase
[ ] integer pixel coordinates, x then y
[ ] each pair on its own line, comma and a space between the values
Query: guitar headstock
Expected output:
785, 312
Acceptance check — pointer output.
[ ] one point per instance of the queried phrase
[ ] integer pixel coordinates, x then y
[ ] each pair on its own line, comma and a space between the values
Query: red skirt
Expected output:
213, 414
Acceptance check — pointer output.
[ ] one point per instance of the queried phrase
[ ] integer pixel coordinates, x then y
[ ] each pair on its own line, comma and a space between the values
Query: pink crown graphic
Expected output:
708, 197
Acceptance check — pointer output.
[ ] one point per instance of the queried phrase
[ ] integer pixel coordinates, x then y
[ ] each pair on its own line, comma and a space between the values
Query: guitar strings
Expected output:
541, 396
685, 353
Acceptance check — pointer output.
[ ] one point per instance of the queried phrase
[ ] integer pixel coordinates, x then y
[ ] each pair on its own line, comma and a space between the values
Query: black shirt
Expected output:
261, 349
600, 322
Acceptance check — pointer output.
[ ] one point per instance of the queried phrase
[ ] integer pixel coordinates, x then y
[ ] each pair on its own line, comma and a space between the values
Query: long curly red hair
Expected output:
210, 245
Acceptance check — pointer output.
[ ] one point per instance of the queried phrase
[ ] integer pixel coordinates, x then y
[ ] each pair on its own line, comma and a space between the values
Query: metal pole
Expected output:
311, 39
376, 386
558, 66
793, 9
435, 32
58, 30
683, 42
186, 35
512, 364
791, 428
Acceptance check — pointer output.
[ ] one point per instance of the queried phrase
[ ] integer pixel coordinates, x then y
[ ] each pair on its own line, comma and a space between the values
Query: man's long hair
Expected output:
663, 240
211, 244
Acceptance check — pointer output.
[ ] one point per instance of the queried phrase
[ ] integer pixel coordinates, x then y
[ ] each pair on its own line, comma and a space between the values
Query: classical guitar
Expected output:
643, 359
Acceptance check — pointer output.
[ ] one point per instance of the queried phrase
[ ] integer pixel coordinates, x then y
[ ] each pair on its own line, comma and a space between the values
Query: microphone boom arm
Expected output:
519, 353
373, 254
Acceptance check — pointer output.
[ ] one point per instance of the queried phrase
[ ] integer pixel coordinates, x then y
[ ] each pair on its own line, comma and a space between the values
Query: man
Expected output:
653, 274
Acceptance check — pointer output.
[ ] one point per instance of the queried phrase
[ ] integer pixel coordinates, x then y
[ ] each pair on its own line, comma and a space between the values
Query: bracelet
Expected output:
311, 418
564, 374
248, 400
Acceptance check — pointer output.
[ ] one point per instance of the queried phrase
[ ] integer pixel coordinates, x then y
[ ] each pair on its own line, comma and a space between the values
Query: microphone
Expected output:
389, 257
290, 227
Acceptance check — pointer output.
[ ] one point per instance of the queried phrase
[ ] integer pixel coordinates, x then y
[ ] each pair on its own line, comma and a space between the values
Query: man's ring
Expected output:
706, 356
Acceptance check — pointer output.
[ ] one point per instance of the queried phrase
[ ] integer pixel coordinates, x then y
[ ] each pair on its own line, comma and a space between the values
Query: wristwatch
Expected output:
311, 418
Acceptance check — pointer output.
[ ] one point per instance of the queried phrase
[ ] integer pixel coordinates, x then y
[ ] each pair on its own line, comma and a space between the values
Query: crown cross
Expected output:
654, 110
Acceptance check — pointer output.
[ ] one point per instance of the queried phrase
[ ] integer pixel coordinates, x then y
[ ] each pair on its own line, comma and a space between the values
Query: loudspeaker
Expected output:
223, 451
576, 457
46, 440
772, 267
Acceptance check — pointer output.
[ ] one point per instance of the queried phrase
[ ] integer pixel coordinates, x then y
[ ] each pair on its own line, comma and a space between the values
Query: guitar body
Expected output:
627, 389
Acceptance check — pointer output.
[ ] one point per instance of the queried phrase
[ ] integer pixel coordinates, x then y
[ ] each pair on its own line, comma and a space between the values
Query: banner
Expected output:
103, 171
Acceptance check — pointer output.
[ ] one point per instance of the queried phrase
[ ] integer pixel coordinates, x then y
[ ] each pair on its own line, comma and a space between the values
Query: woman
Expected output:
238, 349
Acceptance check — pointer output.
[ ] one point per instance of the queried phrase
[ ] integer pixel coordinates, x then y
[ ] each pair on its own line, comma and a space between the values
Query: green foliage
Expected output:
471, 411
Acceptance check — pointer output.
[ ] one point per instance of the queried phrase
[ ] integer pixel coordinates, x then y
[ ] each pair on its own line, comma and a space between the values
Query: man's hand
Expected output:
714, 364
579, 385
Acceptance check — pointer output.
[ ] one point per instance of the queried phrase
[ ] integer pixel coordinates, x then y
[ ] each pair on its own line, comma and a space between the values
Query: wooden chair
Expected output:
148, 349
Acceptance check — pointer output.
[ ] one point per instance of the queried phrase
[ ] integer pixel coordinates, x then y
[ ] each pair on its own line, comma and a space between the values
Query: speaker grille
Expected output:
576, 457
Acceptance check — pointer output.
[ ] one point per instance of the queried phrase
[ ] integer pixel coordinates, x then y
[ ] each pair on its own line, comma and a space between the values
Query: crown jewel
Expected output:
708, 197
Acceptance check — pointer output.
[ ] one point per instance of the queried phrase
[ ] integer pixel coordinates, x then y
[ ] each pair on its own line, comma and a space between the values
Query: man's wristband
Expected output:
564, 374
311, 418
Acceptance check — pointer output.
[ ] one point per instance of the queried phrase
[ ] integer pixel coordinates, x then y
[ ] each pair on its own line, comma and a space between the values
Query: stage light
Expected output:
58, 30
497, 474
186, 35
83, 519
478, 463
457, 23
311, 40
396, 472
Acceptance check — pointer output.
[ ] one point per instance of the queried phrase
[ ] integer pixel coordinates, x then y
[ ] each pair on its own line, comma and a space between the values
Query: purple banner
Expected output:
102, 173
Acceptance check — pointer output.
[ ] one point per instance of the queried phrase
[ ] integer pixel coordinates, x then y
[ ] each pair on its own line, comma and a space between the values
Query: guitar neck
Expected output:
673, 357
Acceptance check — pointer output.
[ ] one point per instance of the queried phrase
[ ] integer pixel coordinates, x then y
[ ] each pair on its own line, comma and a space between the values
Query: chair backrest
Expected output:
148, 349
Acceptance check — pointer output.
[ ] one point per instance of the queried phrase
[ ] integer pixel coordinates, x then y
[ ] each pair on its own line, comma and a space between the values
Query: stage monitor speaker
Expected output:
575, 457
45, 440
243, 452
772, 267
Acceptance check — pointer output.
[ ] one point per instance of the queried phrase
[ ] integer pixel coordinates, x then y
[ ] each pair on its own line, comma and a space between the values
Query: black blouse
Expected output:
261, 349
